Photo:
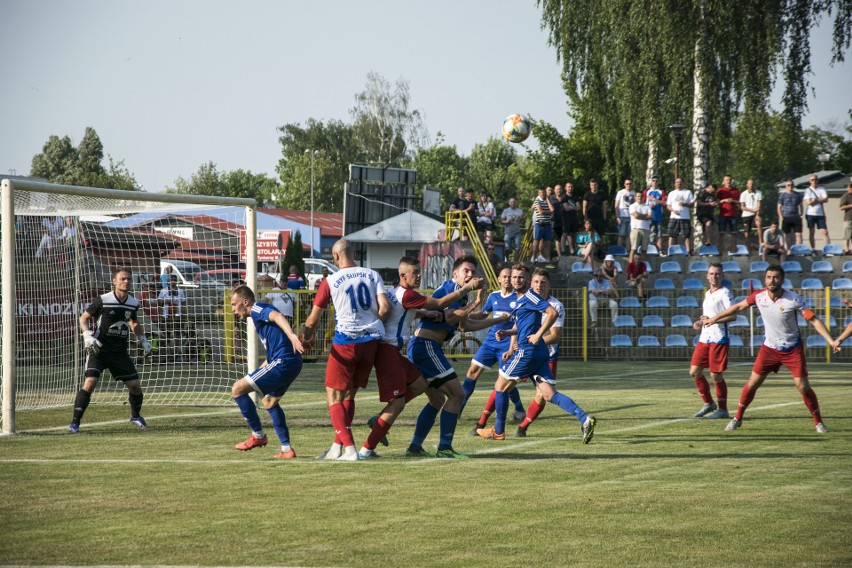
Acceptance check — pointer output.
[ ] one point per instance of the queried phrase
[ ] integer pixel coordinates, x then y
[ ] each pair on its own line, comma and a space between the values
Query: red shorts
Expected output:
349, 366
553, 366
770, 360
711, 355
393, 372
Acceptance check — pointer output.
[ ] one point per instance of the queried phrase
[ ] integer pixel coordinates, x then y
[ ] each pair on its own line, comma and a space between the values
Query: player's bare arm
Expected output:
733, 310
312, 322
384, 306
502, 334
470, 324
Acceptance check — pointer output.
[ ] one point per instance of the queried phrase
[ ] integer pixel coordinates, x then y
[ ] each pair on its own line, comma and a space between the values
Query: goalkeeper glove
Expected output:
146, 345
91, 344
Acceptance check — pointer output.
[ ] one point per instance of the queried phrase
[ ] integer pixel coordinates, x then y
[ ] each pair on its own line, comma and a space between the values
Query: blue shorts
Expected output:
528, 362
543, 232
275, 378
428, 356
817, 221
490, 353
727, 224
624, 227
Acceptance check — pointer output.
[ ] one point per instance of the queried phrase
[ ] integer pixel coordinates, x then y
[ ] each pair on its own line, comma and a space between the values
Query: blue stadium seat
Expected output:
738, 299
652, 251
822, 266
648, 268
648, 341
757, 284
677, 250
741, 321
681, 321
731, 267
809, 303
664, 284
620, 341
841, 284
835, 302
727, 284
616, 250
697, 266
791, 266
812, 284
815, 341
847, 266
580, 267
687, 302
757, 340
788, 284
692, 284
846, 342
657, 302
800, 250
736, 340
801, 322
676, 340
624, 321
758, 266
759, 321
652, 320
708, 250
670, 267
832, 323
833, 249
742, 250
695, 340
847, 320
630, 302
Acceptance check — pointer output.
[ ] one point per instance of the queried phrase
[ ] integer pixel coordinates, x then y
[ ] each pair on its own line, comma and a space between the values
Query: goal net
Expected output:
61, 245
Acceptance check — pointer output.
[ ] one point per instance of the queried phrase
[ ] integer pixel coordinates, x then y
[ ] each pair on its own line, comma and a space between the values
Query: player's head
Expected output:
540, 282
504, 278
122, 279
715, 274
242, 299
341, 252
520, 277
464, 268
773, 278
409, 272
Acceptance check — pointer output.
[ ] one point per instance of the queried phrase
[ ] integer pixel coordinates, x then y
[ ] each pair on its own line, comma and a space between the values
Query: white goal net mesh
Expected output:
66, 248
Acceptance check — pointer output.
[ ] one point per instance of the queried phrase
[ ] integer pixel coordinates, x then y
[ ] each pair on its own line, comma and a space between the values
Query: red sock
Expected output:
811, 402
380, 428
533, 410
703, 389
349, 408
488, 410
722, 394
342, 430
745, 399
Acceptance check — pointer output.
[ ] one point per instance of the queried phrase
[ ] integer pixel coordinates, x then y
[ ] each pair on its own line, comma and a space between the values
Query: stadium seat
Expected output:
664, 284
846, 342
648, 341
740, 321
653, 320
670, 267
758, 266
738, 299
815, 341
731, 267
697, 266
657, 302
677, 250
759, 321
687, 302
652, 251
742, 250
841, 284
847, 320
580, 267
847, 266
695, 340
809, 303
676, 340
833, 249
616, 250
756, 284
727, 284
791, 266
800, 250
835, 302
822, 266
648, 268
620, 341
708, 250
801, 322
736, 340
812, 284
630, 302
757, 340
624, 321
832, 323
788, 284
692, 284
681, 321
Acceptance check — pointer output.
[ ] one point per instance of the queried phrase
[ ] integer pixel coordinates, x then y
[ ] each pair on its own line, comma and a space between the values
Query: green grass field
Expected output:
654, 488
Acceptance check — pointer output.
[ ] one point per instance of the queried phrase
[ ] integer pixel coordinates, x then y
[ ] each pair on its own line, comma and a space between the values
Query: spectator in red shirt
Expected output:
637, 273
728, 198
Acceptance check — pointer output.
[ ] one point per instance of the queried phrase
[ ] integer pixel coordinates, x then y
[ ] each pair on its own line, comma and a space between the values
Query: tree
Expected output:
294, 256
441, 166
494, 169
236, 183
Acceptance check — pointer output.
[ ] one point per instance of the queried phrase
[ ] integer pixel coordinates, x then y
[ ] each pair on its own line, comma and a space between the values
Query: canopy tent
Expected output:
408, 227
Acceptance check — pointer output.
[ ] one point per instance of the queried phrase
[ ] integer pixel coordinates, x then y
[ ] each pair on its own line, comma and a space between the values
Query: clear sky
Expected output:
170, 85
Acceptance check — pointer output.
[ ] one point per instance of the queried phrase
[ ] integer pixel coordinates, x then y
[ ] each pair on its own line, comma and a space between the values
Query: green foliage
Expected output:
574, 157
493, 168
440, 165
294, 256
208, 180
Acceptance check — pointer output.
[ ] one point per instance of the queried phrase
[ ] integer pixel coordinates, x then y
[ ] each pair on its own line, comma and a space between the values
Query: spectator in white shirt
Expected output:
814, 198
600, 287
750, 205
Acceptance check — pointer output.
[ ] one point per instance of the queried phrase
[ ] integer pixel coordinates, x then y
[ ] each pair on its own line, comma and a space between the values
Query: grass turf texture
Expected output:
654, 488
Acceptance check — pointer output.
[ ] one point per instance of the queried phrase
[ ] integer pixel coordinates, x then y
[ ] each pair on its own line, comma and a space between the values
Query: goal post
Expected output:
60, 245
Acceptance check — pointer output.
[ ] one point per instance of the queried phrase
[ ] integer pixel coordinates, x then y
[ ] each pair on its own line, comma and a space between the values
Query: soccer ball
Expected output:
516, 128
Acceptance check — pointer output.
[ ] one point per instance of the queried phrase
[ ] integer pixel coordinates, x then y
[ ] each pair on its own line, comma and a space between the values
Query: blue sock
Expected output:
249, 411
424, 424
515, 397
569, 406
448, 429
468, 386
280, 424
501, 409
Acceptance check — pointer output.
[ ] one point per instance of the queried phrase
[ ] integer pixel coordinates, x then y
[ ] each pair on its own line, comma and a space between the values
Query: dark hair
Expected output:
775, 268
538, 271
117, 271
409, 260
466, 258
716, 265
521, 266
244, 292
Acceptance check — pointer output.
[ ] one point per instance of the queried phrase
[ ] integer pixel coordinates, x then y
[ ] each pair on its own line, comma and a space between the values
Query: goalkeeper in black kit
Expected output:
106, 325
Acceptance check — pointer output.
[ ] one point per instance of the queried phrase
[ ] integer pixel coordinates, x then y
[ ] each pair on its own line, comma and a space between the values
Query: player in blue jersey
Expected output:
498, 303
528, 357
425, 350
281, 367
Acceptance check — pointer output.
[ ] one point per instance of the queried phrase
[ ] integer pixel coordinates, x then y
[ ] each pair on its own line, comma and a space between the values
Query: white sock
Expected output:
259, 434
285, 448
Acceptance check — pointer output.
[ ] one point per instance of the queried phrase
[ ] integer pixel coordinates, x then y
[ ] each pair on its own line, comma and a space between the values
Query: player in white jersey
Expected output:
712, 348
360, 305
398, 379
782, 344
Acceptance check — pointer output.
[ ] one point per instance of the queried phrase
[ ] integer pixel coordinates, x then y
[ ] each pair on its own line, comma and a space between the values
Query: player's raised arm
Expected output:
724, 316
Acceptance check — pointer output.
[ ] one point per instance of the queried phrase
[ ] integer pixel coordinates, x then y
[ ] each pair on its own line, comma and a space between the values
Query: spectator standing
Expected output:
51, 229
814, 198
846, 207
789, 211
294, 281
655, 197
600, 289
728, 197
774, 243
558, 217
485, 215
511, 220
623, 200
570, 223
464, 202
679, 203
750, 204
542, 226
595, 205
640, 226
282, 301
165, 277
705, 211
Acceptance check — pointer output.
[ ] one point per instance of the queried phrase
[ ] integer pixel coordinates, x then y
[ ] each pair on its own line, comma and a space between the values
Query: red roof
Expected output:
213, 223
330, 224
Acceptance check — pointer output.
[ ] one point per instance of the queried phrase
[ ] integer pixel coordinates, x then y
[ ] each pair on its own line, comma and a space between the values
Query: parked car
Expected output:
224, 275
313, 271
204, 295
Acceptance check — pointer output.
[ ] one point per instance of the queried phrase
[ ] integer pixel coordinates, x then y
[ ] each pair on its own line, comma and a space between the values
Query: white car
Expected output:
313, 271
